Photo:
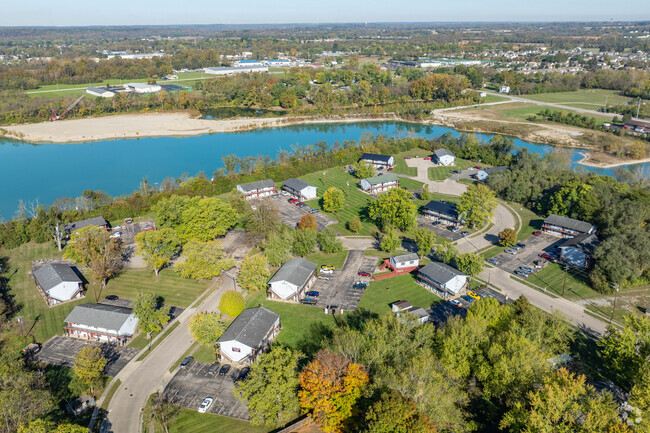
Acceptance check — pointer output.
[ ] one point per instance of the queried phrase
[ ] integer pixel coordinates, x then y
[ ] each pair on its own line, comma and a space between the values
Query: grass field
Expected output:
591, 99
205, 354
190, 421
109, 395
400, 163
332, 259
552, 278
443, 172
380, 294
531, 222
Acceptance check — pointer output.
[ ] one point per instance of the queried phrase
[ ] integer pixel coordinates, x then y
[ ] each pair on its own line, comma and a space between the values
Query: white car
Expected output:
326, 271
470, 169
205, 404
455, 303
117, 228
116, 235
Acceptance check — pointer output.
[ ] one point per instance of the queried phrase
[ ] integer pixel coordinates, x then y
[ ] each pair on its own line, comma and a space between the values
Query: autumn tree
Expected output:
363, 169
89, 366
508, 237
446, 251
354, 225
264, 220
203, 260
151, 316
330, 387
395, 208
424, 239
625, 351
308, 222
164, 412
44, 426
333, 200
157, 247
271, 388
231, 303
477, 205
93, 248
254, 273
206, 328
396, 414
470, 264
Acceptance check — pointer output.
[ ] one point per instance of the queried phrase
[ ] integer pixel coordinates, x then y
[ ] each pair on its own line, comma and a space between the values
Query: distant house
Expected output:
486, 172
402, 307
142, 87
443, 157
446, 213
504, 89
77, 225
379, 161
300, 189
482, 94
442, 279
292, 279
101, 322
576, 251
102, 92
59, 282
378, 184
250, 334
638, 125
258, 189
404, 261
566, 227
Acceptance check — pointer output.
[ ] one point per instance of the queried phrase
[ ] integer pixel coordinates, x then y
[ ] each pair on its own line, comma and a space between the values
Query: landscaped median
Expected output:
160, 339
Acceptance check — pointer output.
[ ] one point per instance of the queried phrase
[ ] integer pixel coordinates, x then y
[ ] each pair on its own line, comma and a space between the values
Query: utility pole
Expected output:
566, 269
615, 296
638, 107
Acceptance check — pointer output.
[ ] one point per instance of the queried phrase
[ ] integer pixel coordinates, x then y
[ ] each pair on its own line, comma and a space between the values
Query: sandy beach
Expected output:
179, 124
602, 160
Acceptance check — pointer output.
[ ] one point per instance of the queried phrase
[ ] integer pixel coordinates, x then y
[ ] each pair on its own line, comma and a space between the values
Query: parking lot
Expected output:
443, 311
238, 243
337, 290
130, 230
535, 245
61, 350
290, 214
191, 384
441, 229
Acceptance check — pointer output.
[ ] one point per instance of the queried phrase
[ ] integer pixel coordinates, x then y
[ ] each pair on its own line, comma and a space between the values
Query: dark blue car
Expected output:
313, 294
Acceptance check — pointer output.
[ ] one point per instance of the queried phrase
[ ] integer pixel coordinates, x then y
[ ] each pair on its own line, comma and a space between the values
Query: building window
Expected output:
236, 349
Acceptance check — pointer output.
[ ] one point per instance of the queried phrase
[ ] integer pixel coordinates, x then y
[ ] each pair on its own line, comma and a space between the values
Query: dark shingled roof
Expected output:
250, 327
260, 184
296, 184
375, 157
406, 258
585, 242
442, 152
443, 208
104, 316
77, 225
570, 223
441, 273
53, 274
296, 271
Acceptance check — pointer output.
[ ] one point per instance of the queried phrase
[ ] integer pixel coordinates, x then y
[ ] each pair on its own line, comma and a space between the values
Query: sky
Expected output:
161, 12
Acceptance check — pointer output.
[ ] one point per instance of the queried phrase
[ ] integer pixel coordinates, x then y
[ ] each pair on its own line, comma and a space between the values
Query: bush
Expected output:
232, 303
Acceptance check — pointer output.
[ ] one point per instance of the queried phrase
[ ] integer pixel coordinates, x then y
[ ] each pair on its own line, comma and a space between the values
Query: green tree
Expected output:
23, 394
507, 237
278, 247
333, 200
206, 219
425, 194
390, 241
425, 240
254, 273
304, 242
89, 367
470, 264
363, 169
354, 225
231, 303
157, 247
477, 205
169, 211
395, 208
44, 426
625, 351
288, 100
447, 252
203, 260
151, 316
640, 399
396, 414
264, 220
270, 391
93, 248
164, 413
206, 328
328, 242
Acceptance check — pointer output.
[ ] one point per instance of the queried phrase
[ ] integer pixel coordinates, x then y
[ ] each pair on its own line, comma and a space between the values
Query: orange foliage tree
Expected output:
308, 221
331, 385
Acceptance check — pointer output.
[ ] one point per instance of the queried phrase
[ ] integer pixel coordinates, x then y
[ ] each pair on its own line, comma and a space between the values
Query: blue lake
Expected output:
46, 172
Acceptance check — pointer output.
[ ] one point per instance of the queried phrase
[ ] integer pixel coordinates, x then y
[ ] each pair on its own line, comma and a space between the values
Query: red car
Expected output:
428, 158
298, 203
537, 233
477, 167
546, 256
147, 228
292, 200
364, 274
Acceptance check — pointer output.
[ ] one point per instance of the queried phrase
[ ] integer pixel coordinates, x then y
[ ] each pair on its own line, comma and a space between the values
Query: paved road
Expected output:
141, 379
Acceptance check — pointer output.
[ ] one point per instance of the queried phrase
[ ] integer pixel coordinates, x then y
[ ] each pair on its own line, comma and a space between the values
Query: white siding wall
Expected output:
235, 350
283, 289
447, 160
456, 284
63, 291
309, 192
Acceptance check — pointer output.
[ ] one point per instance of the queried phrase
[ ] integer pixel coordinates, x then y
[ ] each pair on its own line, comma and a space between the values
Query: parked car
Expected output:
547, 256
521, 245
326, 271
328, 267
380, 174
522, 273
313, 211
493, 261
527, 269
292, 200
186, 361
302, 205
537, 233
464, 233
456, 303
116, 228
224, 369
205, 404
298, 202
467, 298
308, 301
284, 193
455, 172
478, 167
435, 223
213, 369
243, 373
454, 229
147, 228
359, 285
390, 169
313, 294
510, 251
364, 274
427, 158
474, 295
470, 169
112, 298
116, 235
323, 277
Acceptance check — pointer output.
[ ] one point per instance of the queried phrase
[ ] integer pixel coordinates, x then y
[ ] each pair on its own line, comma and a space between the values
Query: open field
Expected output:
552, 278
380, 294
190, 421
443, 172
331, 259
591, 99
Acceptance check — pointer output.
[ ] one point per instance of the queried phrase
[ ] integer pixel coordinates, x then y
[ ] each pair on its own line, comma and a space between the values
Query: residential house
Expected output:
504, 89
442, 279
446, 213
378, 184
483, 174
404, 261
404, 307
443, 157
378, 161
258, 189
250, 334
566, 227
77, 225
101, 322
300, 189
58, 282
576, 251
292, 279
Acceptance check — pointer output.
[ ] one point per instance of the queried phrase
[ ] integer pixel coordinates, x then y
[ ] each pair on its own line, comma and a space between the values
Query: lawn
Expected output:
552, 278
332, 259
530, 221
190, 421
586, 98
443, 172
205, 354
380, 294
400, 162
